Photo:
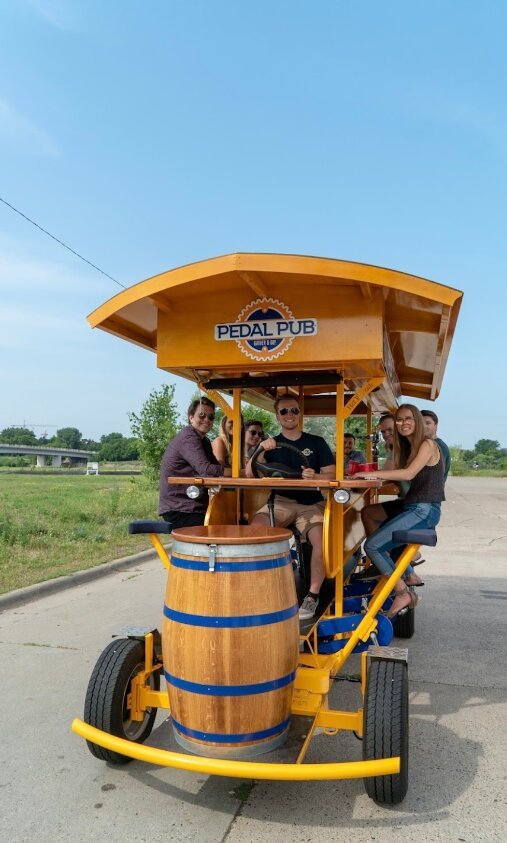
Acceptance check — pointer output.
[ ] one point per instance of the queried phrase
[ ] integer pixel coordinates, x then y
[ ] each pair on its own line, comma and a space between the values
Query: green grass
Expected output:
117, 467
54, 525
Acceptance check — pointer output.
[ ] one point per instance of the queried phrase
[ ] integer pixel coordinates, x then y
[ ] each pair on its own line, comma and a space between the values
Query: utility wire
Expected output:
61, 243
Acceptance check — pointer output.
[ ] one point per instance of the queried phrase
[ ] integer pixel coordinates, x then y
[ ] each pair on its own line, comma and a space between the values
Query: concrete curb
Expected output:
42, 589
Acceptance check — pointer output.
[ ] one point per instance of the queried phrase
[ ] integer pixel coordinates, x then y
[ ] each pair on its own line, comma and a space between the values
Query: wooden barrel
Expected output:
230, 639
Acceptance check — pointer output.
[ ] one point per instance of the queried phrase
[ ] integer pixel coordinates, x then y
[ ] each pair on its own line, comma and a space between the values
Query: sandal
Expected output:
414, 584
418, 562
414, 600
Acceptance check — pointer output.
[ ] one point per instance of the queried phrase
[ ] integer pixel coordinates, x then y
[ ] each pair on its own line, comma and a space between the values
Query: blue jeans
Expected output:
416, 516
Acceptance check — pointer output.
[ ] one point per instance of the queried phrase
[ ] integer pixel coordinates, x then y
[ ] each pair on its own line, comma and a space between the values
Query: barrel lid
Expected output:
231, 534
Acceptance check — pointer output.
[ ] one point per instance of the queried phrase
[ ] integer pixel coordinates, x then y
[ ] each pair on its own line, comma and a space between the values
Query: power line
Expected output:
61, 242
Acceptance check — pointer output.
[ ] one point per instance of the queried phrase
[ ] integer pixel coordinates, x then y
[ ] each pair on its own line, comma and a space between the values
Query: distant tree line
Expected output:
159, 420
485, 456
112, 447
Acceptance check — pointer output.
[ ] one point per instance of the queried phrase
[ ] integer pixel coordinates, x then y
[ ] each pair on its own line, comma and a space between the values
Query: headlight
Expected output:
342, 496
193, 492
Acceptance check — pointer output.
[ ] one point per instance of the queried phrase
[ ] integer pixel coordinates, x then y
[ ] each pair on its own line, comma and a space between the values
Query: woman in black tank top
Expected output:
417, 459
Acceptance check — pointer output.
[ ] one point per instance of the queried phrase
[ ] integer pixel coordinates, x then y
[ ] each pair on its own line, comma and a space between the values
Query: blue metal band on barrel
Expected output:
230, 690
217, 737
229, 621
231, 567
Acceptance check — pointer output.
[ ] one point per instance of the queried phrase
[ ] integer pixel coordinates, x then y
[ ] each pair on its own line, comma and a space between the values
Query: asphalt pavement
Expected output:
53, 789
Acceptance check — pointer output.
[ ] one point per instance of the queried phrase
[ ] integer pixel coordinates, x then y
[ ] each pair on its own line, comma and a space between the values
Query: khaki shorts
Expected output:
303, 516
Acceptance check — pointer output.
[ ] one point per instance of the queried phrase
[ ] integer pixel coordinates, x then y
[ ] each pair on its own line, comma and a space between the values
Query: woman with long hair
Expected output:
222, 444
417, 459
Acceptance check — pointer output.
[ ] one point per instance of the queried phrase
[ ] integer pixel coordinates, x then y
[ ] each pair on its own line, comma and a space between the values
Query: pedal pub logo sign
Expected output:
265, 329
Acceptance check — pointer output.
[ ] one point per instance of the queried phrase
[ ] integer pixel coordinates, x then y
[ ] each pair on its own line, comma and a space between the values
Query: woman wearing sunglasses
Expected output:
417, 459
189, 454
253, 435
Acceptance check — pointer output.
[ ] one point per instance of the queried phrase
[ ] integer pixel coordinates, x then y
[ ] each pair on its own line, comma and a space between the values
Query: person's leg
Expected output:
410, 574
284, 510
260, 518
372, 517
309, 522
314, 536
179, 520
379, 544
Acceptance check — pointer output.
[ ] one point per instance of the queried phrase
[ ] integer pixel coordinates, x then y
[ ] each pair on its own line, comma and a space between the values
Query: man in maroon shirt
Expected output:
189, 455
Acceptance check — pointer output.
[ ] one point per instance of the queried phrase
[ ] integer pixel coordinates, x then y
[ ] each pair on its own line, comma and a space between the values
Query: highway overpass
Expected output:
42, 452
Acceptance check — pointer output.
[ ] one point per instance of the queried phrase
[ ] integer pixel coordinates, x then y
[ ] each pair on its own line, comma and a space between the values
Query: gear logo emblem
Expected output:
265, 329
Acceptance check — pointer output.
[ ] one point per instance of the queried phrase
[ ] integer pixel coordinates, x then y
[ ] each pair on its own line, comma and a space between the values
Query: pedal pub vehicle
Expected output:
247, 686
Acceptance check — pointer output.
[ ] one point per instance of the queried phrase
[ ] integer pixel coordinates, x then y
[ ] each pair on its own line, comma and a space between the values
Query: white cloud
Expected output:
17, 131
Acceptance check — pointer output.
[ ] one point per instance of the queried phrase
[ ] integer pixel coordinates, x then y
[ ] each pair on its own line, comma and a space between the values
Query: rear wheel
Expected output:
386, 728
107, 703
404, 625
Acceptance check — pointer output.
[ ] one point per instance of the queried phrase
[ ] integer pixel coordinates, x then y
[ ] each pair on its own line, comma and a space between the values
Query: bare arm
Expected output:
219, 450
422, 458
267, 445
327, 472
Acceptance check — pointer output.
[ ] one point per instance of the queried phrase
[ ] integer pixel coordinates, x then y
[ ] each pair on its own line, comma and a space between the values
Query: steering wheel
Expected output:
277, 469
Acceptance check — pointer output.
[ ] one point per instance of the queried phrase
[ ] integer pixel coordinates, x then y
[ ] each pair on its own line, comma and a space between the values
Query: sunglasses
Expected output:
285, 410
210, 416
255, 432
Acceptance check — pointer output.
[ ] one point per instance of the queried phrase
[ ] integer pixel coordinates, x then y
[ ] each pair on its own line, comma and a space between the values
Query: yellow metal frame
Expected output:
237, 769
382, 334
310, 699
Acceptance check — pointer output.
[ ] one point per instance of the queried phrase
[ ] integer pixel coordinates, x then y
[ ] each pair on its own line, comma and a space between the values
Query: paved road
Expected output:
51, 788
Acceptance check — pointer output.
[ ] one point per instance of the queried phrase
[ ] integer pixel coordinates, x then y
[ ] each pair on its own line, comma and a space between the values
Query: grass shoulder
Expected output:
52, 525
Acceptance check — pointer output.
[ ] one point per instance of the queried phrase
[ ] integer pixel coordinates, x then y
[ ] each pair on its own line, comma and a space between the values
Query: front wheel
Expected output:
386, 728
107, 704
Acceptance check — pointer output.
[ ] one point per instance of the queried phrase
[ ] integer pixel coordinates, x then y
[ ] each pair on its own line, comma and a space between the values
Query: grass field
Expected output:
54, 525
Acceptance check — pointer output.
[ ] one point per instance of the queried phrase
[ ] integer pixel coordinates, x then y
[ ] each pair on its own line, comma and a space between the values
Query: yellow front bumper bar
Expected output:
236, 769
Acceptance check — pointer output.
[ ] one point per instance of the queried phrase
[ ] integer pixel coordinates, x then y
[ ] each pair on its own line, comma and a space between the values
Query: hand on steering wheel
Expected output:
277, 469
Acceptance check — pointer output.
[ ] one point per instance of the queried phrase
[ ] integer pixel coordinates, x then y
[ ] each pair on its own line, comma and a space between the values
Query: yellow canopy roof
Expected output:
371, 321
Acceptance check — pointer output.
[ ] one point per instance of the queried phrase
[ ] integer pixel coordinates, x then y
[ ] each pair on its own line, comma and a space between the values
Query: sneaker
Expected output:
308, 608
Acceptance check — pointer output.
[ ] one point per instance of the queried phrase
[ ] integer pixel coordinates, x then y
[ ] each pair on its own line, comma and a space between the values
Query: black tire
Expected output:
385, 725
404, 625
106, 697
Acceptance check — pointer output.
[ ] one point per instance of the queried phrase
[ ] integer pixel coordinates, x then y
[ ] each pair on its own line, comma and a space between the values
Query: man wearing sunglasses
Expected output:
253, 435
189, 455
302, 507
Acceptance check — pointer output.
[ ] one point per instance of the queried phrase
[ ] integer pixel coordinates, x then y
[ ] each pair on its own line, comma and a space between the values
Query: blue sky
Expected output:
146, 136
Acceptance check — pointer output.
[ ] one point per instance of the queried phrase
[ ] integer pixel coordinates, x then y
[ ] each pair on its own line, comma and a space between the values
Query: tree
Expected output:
69, 437
487, 446
18, 436
114, 447
157, 423
324, 426
90, 445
